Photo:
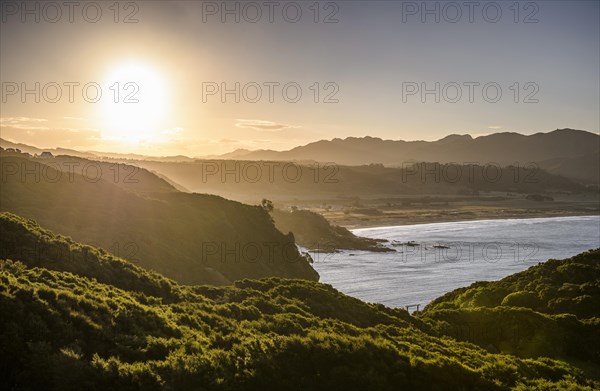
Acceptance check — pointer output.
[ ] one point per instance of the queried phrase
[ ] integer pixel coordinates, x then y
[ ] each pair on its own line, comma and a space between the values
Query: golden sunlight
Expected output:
136, 103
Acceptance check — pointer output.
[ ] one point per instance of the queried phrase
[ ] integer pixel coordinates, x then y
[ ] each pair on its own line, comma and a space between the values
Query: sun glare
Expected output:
136, 103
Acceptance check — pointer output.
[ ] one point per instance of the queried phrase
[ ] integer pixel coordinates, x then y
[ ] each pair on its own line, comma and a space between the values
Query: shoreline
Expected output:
353, 230
417, 219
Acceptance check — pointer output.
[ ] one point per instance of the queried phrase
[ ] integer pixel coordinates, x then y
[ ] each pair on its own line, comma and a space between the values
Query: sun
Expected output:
135, 103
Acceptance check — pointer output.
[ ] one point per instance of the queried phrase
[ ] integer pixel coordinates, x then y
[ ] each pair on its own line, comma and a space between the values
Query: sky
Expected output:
200, 78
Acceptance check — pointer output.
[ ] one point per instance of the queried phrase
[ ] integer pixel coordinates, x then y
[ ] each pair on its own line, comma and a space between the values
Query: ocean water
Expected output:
451, 255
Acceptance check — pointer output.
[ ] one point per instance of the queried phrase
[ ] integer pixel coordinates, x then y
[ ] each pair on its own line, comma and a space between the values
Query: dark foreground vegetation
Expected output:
76, 317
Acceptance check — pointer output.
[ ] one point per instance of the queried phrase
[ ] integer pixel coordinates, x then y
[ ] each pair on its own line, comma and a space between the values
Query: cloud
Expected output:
21, 119
46, 136
495, 127
172, 131
25, 123
226, 141
261, 125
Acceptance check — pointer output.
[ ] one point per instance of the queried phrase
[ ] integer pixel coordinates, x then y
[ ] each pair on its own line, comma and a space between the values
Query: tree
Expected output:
267, 205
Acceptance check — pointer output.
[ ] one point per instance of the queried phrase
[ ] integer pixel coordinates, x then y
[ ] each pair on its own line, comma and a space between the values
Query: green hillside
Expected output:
552, 309
553, 287
192, 238
106, 324
34, 246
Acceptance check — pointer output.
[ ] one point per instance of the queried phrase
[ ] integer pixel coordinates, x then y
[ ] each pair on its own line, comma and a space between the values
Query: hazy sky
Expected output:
370, 65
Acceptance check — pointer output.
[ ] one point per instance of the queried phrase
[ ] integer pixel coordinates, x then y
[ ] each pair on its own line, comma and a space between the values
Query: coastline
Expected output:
357, 231
451, 217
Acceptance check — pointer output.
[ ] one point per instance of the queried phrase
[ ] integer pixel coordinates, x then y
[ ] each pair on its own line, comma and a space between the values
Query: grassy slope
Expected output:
557, 301
106, 324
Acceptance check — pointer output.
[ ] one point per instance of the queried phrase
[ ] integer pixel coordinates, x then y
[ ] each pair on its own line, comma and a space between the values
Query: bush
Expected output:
522, 299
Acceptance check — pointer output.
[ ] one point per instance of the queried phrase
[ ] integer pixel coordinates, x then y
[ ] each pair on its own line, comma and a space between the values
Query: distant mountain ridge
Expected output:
6, 144
503, 148
567, 152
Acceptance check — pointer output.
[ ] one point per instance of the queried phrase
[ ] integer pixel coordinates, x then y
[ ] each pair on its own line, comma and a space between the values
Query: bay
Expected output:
433, 259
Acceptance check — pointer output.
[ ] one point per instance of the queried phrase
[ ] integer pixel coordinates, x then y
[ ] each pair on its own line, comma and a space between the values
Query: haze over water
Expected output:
477, 251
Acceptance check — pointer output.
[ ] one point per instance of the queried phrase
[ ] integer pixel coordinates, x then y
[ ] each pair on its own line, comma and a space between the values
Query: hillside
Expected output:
313, 231
558, 301
553, 287
192, 238
246, 180
584, 168
35, 246
67, 327
25, 148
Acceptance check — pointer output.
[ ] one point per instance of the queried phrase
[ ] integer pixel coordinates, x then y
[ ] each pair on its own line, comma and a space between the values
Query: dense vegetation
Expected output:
552, 310
99, 323
34, 246
313, 231
192, 238
553, 287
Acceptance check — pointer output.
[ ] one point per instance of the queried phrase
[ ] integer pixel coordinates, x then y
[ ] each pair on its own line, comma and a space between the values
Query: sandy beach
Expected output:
378, 213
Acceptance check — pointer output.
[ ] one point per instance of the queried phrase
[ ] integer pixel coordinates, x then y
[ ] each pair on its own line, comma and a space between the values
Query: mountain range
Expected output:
567, 152
502, 148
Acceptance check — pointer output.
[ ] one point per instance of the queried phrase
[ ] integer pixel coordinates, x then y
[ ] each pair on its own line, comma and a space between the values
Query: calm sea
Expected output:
444, 256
